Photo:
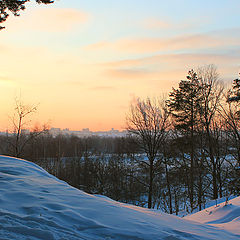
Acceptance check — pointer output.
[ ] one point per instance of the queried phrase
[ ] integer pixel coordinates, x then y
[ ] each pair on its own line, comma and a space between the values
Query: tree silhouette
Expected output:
14, 7
185, 106
234, 94
148, 122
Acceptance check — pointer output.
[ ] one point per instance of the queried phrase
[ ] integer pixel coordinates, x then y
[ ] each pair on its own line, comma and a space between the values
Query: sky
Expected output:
83, 62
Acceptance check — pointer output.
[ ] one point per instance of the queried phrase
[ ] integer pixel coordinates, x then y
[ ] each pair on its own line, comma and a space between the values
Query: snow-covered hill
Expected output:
36, 205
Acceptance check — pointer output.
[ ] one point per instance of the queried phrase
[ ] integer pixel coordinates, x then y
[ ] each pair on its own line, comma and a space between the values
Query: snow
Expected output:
207, 204
36, 205
222, 216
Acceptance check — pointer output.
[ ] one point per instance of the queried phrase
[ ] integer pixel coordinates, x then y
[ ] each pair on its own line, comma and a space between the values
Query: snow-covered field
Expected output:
36, 205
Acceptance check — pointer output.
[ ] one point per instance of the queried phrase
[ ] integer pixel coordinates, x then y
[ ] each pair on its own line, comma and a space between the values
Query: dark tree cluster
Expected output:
234, 93
205, 130
15, 7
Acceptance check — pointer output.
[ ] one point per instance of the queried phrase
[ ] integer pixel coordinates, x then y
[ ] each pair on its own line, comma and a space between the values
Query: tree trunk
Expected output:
150, 184
191, 171
214, 167
169, 189
200, 191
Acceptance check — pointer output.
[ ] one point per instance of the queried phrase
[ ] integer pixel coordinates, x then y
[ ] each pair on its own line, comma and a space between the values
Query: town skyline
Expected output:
85, 132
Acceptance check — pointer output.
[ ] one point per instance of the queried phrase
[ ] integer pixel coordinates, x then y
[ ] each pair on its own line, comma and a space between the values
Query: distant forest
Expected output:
181, 151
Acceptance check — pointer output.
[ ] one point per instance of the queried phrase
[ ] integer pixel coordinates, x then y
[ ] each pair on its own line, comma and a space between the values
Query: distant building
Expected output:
25, 131
85, 132
55, 131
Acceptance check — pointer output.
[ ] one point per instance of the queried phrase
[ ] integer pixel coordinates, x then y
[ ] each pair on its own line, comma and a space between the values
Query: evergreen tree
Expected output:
233, 116
185, 106
234, 94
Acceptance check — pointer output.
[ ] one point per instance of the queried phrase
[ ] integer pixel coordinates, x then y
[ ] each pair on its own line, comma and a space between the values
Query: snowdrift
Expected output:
36, 205
224, 216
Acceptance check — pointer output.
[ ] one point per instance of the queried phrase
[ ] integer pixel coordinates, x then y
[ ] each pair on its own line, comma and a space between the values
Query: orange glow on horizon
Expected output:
84, 67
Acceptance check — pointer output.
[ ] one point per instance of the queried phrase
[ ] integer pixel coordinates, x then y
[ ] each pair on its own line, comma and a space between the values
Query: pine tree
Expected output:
185, 103
185, 106
234, 94
233, 117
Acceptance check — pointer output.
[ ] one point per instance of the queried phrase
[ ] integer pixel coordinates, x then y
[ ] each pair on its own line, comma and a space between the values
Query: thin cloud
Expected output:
165, 70
49, 20
179, 59
149, 77
167, 24
5, 79
98, 45
74, 83
102, 88
129, 73
152, 23
149, 45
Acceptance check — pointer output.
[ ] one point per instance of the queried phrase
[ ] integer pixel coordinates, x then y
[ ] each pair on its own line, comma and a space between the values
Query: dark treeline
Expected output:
180, 152
117, 167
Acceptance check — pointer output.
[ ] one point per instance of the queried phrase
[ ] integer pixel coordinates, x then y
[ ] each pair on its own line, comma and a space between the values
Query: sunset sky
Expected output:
84, 62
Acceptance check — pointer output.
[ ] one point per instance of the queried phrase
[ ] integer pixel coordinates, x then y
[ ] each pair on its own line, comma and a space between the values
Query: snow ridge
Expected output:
225, 216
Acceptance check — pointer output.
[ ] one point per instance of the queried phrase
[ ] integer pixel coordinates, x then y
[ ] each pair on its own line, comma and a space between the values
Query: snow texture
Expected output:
224, 216
36, 205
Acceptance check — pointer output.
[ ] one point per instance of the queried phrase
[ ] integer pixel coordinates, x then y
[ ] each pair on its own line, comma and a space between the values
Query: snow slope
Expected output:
207, 204
223, 216
36, 205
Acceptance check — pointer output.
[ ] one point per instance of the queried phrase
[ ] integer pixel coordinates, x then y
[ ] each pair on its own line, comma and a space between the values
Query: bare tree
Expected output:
230, 111
148, 121
20, 120
212, 91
